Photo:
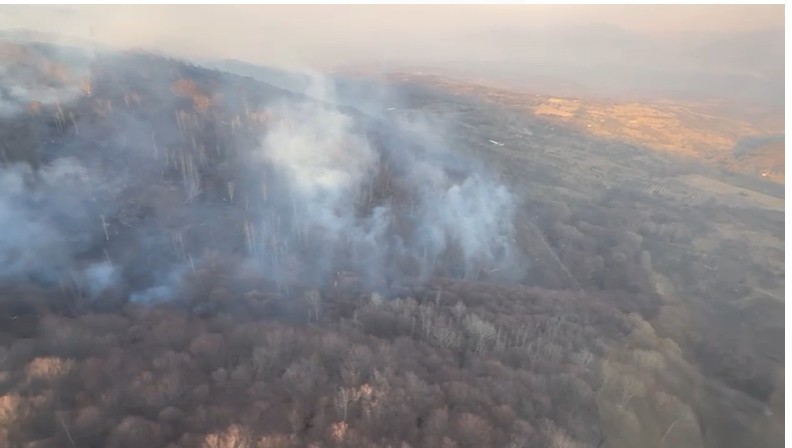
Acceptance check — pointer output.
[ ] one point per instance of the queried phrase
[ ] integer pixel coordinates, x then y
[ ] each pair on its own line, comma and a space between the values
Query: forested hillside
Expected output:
191, 258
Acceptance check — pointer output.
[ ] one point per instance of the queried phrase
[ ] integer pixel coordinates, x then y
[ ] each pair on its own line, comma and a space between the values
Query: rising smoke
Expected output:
140, 197
384, 211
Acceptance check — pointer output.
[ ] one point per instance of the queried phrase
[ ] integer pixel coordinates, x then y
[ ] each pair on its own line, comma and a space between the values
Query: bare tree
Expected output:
315, 300
480, 331
343, 398
234, 436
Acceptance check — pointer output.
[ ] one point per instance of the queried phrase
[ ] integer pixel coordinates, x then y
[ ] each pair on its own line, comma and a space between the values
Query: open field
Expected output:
705, 131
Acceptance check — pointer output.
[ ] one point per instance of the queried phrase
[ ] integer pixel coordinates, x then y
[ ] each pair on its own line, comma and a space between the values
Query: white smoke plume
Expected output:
332, 182
324, 204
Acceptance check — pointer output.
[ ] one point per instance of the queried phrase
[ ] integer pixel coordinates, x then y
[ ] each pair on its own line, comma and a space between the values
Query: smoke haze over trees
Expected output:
734, 52
195, 258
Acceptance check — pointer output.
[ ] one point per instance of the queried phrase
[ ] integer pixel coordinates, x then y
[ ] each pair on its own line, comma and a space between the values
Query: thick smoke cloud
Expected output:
35, 208
330, 202
335, 181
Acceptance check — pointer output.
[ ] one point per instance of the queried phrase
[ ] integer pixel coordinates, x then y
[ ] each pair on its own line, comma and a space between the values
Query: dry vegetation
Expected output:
646, 316
451, 368
708, 131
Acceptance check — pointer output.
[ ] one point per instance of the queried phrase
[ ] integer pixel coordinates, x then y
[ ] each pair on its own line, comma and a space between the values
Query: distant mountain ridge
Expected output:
285, 79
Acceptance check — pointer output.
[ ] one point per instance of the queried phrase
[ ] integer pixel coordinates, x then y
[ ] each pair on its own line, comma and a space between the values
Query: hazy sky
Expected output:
640, 43
306, 34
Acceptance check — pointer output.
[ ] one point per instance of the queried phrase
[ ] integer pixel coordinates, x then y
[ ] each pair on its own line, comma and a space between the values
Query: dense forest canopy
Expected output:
191, 258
